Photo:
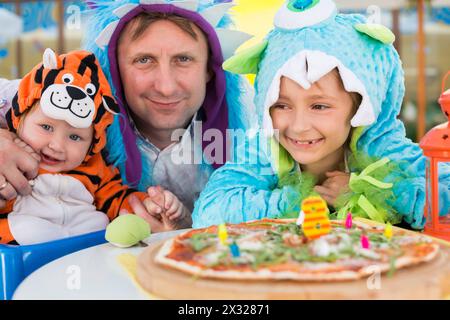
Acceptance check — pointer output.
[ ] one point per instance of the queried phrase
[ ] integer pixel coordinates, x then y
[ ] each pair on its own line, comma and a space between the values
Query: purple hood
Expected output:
214, 106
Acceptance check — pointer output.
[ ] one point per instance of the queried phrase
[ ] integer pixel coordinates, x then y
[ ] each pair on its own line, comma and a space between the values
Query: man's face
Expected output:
164, 75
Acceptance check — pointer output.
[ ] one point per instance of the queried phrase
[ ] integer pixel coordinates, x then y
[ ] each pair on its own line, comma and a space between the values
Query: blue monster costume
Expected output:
223, 105
387, 180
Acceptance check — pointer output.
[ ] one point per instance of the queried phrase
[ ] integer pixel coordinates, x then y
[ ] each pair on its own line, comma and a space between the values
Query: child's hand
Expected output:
138, 207
155, 203
175, 209
166, 207
335, 184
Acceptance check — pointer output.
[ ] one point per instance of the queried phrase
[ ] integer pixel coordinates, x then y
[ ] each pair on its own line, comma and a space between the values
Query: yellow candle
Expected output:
223, 234
388, 231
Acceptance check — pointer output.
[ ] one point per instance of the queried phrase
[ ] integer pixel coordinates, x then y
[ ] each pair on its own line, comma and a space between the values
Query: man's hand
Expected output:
18, 163
335, 184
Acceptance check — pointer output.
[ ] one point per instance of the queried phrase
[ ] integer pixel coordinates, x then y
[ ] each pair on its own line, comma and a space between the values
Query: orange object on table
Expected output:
436, 147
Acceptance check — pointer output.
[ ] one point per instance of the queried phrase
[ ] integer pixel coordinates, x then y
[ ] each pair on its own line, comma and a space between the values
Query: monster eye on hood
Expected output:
297, 14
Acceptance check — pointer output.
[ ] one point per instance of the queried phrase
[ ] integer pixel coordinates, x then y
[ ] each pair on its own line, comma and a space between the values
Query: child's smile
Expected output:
61, 146
314, 124
306, 143
46, 159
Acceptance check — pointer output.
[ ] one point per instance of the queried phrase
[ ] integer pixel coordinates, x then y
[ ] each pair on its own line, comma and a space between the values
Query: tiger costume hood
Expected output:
70, 87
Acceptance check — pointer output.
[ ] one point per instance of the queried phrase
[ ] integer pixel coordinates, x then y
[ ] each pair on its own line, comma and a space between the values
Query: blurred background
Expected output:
422, 29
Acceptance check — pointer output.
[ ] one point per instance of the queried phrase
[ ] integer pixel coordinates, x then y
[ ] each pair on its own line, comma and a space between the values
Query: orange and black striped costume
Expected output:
77, 71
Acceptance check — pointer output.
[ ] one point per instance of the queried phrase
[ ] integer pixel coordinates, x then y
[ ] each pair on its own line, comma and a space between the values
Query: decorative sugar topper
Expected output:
316, 221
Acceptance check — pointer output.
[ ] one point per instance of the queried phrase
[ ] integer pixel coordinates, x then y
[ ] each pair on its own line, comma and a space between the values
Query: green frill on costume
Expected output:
371, 193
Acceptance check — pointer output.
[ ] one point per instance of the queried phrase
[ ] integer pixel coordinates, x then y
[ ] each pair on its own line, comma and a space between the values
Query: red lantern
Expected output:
436, 147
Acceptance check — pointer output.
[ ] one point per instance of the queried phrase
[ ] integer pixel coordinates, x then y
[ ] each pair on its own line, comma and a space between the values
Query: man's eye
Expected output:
143, 60
46, 127
184, 59
75, 137
320, 107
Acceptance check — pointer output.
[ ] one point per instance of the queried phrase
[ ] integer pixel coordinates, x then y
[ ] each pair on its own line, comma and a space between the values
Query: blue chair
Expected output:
17, 262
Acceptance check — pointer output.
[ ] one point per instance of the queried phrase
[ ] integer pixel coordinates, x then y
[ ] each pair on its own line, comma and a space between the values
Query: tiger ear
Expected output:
49, 59
110, 105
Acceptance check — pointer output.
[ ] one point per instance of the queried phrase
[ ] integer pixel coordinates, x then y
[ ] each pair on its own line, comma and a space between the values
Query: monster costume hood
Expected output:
222, 107
309, 40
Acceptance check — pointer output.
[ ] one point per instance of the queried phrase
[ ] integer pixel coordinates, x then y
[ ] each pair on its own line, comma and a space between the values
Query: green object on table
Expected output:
127, 230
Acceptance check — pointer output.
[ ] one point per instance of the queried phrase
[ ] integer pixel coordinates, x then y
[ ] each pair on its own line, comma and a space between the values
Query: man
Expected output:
163, 60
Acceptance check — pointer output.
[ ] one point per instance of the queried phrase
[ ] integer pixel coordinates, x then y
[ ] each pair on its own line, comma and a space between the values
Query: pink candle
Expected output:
365, 242
349, 221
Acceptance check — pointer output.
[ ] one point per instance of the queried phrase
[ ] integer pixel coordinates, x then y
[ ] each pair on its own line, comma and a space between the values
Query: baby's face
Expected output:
61, 146
313, 124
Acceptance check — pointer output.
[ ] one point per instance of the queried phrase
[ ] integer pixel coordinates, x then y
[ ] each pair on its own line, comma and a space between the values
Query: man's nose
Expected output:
165, 81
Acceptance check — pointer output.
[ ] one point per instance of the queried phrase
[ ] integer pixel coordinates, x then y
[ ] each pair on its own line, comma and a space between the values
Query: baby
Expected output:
62, 110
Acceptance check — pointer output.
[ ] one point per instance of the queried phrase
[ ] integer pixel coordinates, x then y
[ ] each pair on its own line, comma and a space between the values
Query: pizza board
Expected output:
425, 281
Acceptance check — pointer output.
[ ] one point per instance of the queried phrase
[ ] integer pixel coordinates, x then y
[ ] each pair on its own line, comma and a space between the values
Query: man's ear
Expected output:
246, 61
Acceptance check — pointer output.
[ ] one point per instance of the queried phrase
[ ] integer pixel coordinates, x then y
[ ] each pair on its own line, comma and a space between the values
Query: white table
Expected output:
92, 273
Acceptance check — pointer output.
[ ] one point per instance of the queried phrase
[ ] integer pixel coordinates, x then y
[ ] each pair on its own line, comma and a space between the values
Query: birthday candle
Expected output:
349, 221
301, 218
365, 244
223, 234
388, 231
235, 250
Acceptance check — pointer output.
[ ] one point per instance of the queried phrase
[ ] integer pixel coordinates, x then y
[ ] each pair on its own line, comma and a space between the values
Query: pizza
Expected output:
277, 249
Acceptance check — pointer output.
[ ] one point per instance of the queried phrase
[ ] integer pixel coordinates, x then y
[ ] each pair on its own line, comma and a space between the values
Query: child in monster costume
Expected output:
329, 88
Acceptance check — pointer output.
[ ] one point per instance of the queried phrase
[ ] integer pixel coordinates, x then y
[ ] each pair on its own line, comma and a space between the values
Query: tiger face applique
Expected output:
69, 87
70, 102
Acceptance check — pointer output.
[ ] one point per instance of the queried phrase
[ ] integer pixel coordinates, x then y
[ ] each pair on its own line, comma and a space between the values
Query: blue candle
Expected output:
235, 250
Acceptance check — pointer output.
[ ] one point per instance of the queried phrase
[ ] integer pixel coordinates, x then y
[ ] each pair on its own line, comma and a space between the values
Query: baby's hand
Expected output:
335, 184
